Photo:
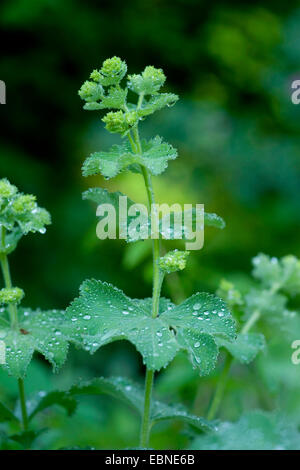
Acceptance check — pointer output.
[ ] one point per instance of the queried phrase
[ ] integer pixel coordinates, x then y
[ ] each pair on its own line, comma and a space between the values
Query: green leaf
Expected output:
246, 346
270, 305
199, 321
6, 414
103, 314
156, 103
148, 82
102, 196
193, 216
110, 163
18, 210
115, 98
11, 241
256, 430
26, 438
281, 273
133, 395
42, 400
155, 156
37, 331
214, 220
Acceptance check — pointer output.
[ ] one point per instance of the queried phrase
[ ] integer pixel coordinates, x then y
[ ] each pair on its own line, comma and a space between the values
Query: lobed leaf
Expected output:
42, 400
103, 314
246, 346
156, 103
102, 196
256, 430
133, 395
155, 156
37, 331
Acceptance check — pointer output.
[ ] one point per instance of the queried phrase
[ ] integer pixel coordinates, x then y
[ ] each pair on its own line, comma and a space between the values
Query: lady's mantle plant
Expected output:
22, 330
103, 313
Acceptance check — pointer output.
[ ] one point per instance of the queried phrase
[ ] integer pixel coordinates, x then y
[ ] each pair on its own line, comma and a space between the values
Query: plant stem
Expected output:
215, 404
157, 282
145, 428
13, 313
220, 389
7, 280
252, 320
23, 404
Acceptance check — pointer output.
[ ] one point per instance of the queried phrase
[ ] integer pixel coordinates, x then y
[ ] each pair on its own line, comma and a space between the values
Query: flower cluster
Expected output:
103, 91
173, 261
12, 295
20, 210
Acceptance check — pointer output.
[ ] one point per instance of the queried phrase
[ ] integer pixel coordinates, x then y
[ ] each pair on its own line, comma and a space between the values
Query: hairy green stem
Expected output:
215, 404
13, 313
157, 282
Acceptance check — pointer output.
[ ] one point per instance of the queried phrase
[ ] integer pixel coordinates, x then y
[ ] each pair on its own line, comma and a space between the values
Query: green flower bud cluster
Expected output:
173, 261
20, 210
91, 91
6, 189
23, 203
103, 91
11, 295
148, 82
111, 73
120, 122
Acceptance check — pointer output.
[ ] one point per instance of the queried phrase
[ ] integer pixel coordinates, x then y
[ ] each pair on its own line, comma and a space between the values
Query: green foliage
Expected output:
6, 414
20, 212
42, 401
133, 395
155, 156
148, 82
102, 196
246, 346
36, 331
103, 314
281, 273
254, 431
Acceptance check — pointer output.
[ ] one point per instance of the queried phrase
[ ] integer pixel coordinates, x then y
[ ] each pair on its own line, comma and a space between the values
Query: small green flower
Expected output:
173, 261
91, 91
24, 203
11, 295
113, 69
96, 76
6, 189
148, 82
115, 122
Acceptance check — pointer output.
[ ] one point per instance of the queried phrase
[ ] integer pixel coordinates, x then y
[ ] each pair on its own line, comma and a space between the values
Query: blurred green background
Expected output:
237, 133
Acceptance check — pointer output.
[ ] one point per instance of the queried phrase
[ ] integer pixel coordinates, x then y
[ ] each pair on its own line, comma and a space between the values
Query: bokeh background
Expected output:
237, 133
